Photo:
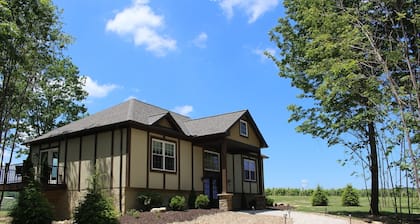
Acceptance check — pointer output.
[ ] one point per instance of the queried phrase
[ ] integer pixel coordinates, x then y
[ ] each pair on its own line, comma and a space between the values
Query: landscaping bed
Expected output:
166, 217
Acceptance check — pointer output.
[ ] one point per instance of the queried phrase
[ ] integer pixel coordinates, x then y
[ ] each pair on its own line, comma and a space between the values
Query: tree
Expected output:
96, 207
319, 197
350, 197
316, 53
39, 86
32, 207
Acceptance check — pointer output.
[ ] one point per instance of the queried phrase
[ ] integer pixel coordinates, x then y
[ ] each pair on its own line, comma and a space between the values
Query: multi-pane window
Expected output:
243, 128
250, 170
211, 161
163, 155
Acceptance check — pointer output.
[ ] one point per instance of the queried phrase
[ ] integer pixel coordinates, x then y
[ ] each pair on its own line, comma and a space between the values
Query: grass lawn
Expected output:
303, 203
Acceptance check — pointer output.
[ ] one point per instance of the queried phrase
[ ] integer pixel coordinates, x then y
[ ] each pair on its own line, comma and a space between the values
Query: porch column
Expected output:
224, 167
225, 199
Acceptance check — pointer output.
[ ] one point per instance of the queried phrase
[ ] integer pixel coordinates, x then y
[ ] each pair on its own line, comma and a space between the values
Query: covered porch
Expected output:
239, 175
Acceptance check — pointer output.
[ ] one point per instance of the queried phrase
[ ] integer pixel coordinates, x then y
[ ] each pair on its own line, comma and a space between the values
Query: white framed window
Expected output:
163, 155
243, 128
211, 161
250, 173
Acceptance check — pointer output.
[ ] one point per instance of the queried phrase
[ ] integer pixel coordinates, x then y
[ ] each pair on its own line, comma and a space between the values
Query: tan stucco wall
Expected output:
87, 158
156, 180
138, 165
185, 164
103, 157
238, 173
72, 167
171, 182
252, 138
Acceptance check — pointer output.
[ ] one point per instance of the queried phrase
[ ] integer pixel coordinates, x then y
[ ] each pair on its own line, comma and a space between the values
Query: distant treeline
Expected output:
338, 192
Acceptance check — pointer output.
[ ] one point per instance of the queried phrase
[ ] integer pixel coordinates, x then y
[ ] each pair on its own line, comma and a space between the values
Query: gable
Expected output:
253, 136
165, 123
168, 122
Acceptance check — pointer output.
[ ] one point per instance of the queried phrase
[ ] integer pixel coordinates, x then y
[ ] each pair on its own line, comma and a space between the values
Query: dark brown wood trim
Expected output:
178, 162
164, 181
95, 151
111, 178
66, 145
192, 166
148, 158
80, 161
242, 173
128, 178
259, 177
121, 165
47, 147
167, 191
223, 160
233, 172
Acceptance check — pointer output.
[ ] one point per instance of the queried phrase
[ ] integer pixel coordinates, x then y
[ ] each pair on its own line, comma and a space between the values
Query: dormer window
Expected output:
243, 128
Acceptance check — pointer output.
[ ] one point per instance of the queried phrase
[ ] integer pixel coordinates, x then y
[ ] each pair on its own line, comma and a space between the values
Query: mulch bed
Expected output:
166, 217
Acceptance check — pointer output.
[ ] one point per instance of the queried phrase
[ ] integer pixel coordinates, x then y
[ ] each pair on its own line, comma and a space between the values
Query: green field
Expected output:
303, 203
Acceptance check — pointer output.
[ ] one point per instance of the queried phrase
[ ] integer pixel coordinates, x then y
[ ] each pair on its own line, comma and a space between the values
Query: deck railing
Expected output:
14, 174
50, 175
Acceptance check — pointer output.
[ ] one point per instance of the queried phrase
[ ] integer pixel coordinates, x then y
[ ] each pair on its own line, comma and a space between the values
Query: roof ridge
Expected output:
161, 108
218, 115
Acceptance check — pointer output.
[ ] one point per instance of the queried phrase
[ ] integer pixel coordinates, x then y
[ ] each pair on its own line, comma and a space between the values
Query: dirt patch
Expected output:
237, 218
166, 217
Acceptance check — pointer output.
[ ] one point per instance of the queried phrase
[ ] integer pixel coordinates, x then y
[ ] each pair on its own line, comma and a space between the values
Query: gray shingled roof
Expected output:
213, 125
143, 113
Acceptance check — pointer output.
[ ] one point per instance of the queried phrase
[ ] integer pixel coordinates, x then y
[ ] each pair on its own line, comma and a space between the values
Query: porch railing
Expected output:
14, 174
50, 175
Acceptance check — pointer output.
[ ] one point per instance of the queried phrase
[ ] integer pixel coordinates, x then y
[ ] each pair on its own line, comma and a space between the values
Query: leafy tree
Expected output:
32, 207
39, 86
316, 43
350, 197
358, 61
96, 207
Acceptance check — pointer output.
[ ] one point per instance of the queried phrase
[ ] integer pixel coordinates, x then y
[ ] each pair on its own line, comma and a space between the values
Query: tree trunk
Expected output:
374, 202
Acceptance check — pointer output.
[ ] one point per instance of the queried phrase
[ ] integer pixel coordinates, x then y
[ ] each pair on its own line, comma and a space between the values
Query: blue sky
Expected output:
199, 58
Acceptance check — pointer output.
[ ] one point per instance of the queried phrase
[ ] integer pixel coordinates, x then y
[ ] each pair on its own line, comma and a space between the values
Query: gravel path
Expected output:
309, 218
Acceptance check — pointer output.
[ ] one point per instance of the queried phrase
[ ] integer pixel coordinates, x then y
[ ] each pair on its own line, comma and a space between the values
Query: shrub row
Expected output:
149, 200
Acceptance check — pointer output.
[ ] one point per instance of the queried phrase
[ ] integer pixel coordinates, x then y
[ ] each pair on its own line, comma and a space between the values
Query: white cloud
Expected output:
201, 40
260, 52
253, 8
97, 90
130, 98
184, 110
141, 23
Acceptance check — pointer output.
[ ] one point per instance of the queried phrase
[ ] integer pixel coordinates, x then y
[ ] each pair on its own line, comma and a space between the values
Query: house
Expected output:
140, 147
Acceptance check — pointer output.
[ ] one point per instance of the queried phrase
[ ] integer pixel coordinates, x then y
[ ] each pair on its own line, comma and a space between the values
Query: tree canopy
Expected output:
40, 87
359, 69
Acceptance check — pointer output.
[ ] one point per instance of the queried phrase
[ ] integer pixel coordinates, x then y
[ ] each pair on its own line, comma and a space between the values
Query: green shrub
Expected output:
350, 197
177, 203
134, 213
32, 207
191, 199
269, 201
149, 200
202, 201
319, 197
96, 207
